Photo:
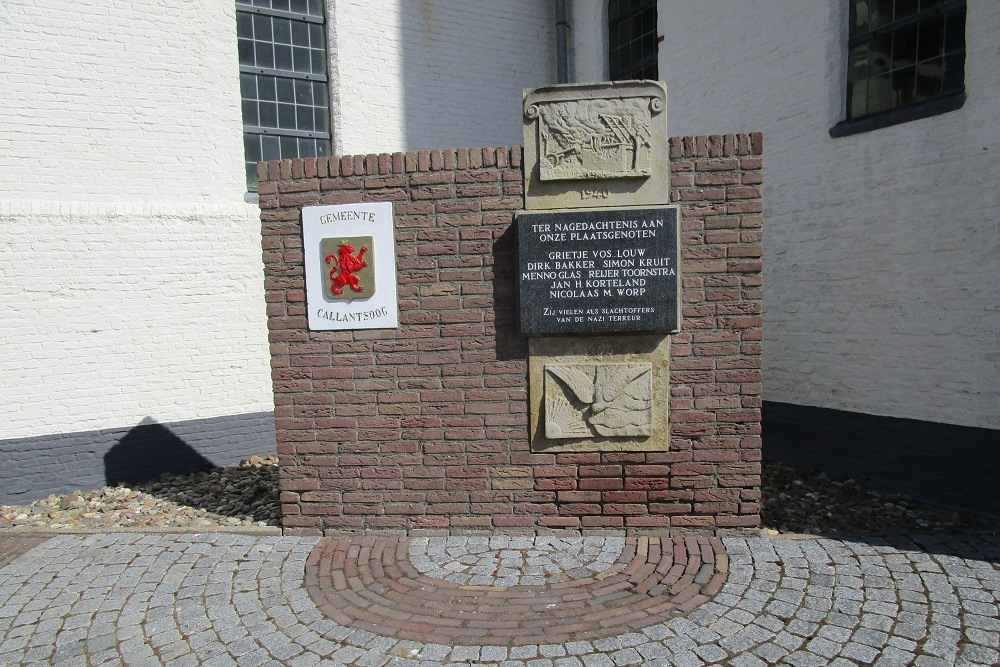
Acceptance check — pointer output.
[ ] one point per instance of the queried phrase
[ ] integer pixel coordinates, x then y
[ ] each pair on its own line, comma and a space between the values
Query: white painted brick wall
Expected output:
881, 262
108, 100
131, 283
435, 73
112, 313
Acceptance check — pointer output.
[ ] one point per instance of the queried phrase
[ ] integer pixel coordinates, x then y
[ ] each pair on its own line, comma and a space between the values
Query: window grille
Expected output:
902, 55
632, 40
283, 80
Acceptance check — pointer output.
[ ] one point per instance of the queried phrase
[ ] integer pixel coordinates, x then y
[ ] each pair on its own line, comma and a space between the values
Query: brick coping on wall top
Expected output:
382, 164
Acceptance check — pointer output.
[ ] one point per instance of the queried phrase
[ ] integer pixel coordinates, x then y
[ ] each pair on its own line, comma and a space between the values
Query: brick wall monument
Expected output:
425, 427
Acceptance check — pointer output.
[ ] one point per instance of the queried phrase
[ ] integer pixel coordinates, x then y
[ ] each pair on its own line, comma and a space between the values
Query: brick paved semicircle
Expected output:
368, 582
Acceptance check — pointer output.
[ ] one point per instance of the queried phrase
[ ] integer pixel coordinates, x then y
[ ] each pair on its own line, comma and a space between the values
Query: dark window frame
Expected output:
891, 32
646, 66
285, 105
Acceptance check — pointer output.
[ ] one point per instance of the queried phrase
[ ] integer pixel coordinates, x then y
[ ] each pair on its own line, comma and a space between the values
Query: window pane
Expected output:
321, 120
954, 36
268, 114
282, 57
880, 54
264, 53
318, 61
301, 60
859, 17
248, 86
857, 98
244, 25
286, 90
303, 92
289, 147
250, 112
300, 33
954, 73
904, 47
879, 93
930, 38
316, 40
251, 145
322, 148
282, 31
270, 148
903, 83
281, 5
879, 13
858, 63
262, 27
904, 9
320, 95
304, 119
286, 116
929, 75
299, 6
246, 52
265, 85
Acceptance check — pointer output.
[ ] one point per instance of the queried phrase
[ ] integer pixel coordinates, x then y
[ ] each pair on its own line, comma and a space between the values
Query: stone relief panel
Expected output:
598, 138
602, 144
610, 399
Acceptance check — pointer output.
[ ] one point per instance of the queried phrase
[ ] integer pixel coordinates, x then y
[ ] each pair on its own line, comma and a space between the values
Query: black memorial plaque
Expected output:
599, 271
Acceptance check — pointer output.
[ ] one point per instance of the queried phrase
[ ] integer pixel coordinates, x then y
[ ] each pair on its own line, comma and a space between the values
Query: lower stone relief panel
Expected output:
599, 393
584, 400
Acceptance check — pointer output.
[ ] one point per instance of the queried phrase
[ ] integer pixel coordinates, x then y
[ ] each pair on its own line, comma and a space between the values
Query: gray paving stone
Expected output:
805, 659
211, 594
747, 660
984, 655
893, 657
596, 660
770, 652
862, 653
626, 656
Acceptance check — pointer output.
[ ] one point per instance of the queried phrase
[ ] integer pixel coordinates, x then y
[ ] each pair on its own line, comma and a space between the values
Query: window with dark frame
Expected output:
283, 80
632, 40
906, 60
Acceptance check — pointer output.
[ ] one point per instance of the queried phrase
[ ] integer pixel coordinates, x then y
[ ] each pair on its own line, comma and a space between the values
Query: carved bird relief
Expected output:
602, 399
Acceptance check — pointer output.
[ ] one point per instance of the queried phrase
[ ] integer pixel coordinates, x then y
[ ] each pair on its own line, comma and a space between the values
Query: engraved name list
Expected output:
599, 271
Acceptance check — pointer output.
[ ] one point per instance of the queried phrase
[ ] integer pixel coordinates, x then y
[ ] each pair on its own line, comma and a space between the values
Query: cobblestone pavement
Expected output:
229, 599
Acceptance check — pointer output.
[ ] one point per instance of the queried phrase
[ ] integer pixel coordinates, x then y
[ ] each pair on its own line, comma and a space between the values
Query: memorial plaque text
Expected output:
599, 271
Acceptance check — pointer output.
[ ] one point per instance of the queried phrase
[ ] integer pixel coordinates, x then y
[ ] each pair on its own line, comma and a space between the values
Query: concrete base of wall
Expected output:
63, 462
947, 464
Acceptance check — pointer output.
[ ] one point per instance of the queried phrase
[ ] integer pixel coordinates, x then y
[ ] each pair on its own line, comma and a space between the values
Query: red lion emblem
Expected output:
347, 265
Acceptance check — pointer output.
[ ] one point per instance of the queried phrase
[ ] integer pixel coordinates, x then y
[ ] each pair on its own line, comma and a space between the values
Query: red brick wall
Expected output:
426, 426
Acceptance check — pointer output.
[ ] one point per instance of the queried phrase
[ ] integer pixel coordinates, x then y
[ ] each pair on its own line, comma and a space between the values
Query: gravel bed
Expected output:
239, 495
811, 503
246, 494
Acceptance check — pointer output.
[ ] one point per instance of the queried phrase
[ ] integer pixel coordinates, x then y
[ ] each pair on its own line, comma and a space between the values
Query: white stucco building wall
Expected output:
881, 270
435, 73
131, 286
